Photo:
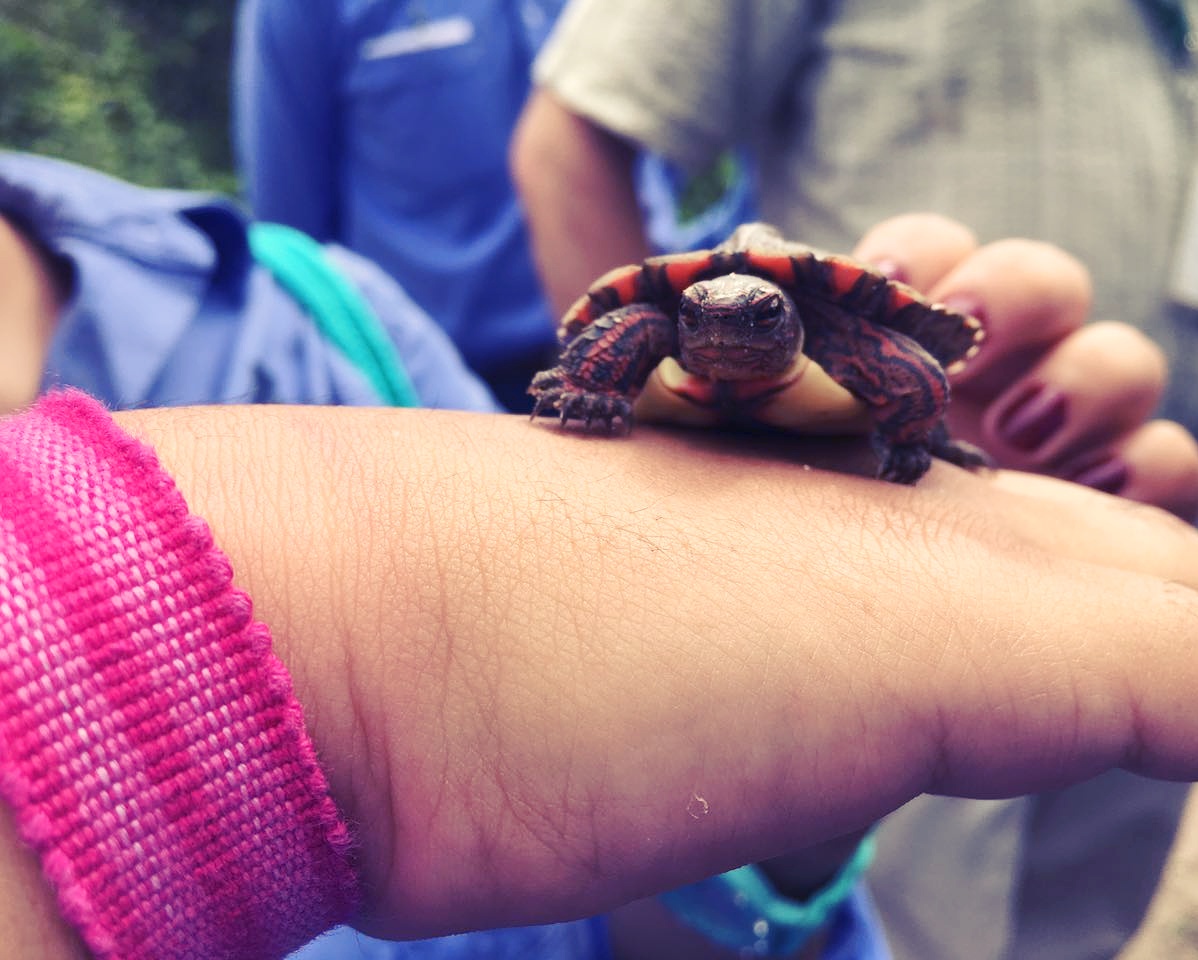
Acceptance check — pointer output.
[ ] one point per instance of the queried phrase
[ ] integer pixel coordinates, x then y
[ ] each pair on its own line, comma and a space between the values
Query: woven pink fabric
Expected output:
150, 743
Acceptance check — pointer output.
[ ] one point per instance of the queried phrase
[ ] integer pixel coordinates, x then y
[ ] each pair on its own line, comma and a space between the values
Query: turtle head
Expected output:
737, 327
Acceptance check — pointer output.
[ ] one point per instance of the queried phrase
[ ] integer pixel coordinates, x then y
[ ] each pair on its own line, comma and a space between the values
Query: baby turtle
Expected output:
761, 330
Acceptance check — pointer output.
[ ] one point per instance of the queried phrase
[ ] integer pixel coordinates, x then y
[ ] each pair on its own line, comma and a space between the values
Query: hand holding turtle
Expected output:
1047, 392
547, 676
552, 654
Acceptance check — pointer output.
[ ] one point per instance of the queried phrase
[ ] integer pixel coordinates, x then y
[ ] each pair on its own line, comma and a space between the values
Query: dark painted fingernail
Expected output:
1033, 419
1108, 474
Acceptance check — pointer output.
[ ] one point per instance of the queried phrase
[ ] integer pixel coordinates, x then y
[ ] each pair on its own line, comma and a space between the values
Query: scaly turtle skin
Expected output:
761, 330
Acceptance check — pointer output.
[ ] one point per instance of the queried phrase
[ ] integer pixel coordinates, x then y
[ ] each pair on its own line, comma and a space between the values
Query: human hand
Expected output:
549, 674
1048, 392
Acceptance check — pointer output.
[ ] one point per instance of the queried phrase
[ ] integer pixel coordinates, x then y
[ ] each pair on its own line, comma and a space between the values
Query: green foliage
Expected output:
135, 87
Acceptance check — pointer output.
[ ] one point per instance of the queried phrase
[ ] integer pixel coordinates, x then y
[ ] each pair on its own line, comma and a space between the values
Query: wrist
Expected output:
150, 746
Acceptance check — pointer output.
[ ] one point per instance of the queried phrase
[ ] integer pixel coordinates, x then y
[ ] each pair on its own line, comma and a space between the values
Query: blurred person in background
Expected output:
385, 127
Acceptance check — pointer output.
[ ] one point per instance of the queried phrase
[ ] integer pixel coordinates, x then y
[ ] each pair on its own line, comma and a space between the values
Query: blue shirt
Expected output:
167, 306
384, 126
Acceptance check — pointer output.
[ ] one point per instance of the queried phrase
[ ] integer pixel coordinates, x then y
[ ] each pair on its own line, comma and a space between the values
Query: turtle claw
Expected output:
904, 463
963, 454
958, 452
556, 396
908, 462
596, 411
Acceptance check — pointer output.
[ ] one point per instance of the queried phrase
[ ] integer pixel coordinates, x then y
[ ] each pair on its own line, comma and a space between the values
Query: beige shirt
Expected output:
1067, 122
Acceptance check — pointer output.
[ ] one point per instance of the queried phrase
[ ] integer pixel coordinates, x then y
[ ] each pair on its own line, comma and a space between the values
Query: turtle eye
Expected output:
688, 313
768, 312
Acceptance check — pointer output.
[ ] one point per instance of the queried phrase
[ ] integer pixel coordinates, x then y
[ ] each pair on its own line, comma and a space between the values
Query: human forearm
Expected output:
576, 183
522, 654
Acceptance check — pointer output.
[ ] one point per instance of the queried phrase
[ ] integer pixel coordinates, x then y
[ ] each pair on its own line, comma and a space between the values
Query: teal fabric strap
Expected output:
741, 909
339, 310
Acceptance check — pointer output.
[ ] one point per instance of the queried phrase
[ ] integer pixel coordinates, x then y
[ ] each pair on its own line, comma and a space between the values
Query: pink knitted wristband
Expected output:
150, 744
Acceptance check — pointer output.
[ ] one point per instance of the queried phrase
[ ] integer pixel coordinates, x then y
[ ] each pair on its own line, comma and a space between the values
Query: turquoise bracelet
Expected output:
741, 909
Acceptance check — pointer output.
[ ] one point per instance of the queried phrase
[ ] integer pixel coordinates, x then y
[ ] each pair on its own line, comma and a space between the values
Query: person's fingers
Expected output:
1028, 295
1156, 463
916, 248
1162, 463
1086, 390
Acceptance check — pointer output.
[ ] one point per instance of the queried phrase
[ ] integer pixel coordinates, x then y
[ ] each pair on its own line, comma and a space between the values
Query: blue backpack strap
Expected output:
340, 312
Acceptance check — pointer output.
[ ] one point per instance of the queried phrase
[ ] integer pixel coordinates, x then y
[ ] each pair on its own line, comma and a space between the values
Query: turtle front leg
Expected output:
905, 388
603, 369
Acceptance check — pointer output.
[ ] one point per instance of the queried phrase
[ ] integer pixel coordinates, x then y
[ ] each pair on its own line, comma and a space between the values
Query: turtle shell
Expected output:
827, 282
